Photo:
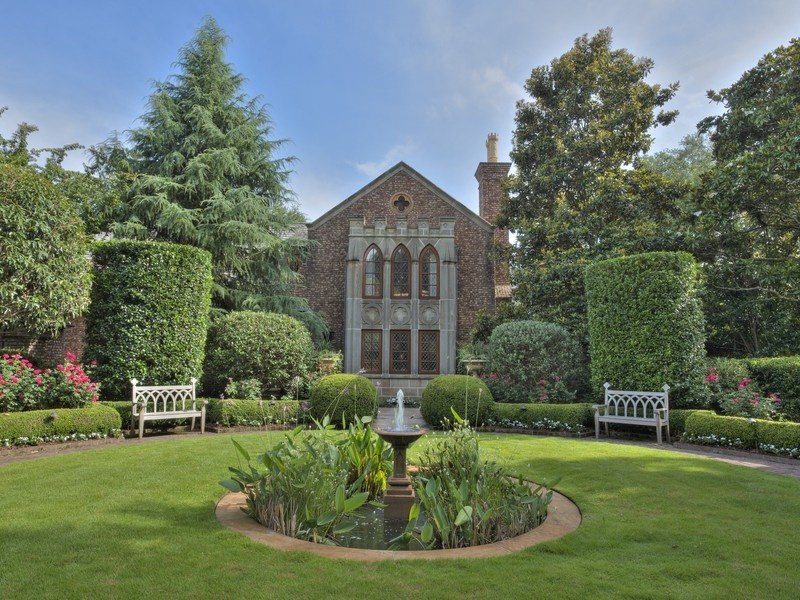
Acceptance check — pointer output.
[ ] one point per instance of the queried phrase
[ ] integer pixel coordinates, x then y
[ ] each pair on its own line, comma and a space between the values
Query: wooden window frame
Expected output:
392, 334
423, 255
380, 351
380, 273
399, 248
423, 332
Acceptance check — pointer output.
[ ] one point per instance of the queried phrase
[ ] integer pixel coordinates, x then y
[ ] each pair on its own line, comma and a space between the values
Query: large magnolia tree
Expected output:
750, 209
578, 194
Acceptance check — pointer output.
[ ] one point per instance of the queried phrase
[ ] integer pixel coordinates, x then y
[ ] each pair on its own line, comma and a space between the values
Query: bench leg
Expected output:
658, 433
141, 425
668, 440
192, 427
596, 426
203, 420
606, 424
133, 424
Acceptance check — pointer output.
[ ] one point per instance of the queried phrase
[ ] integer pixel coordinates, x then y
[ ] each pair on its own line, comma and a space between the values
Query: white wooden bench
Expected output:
650, 409
160, 402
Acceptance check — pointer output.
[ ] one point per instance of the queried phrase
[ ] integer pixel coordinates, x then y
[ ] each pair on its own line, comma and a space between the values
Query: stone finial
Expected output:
491, 148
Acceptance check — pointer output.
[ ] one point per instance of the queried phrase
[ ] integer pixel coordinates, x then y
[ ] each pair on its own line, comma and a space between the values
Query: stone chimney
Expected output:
490, 176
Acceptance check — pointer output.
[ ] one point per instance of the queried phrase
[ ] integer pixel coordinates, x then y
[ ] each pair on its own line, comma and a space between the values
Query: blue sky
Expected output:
356, 86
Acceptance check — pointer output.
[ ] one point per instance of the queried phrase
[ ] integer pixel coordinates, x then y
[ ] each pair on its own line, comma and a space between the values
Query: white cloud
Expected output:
394, 155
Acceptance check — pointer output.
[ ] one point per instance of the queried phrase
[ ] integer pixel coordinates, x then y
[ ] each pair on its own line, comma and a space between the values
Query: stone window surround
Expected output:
412, 313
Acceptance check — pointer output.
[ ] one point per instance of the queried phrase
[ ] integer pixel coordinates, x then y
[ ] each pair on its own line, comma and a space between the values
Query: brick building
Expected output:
401, 270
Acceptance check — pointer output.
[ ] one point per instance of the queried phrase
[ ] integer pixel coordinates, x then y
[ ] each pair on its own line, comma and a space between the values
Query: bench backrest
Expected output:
636, 405
163, 398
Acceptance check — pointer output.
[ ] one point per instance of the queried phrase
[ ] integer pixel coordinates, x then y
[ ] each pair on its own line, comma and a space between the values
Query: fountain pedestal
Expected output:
399, 495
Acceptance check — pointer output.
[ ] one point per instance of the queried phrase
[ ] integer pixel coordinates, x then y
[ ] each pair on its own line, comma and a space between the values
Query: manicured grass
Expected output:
137, 521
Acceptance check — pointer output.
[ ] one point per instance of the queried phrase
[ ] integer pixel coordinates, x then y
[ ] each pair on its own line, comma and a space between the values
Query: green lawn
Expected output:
137, 521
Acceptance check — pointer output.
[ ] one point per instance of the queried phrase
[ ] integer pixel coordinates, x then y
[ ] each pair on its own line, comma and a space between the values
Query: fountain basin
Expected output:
399, 494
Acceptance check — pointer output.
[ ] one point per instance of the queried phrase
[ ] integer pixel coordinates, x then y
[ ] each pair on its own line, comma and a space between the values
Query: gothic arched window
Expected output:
401, 273
373, 273
429, 273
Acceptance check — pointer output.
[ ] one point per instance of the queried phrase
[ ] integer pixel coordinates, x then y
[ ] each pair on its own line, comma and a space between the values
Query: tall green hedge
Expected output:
646, 325
149, 314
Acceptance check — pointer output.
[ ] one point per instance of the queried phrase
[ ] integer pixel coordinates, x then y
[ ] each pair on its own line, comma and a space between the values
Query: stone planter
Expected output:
475, 366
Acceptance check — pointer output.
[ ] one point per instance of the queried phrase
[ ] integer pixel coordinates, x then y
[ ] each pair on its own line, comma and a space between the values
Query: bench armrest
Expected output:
663, 412
597, 408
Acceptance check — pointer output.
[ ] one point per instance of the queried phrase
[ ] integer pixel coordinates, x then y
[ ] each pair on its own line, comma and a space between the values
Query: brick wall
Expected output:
324, 272
47, 350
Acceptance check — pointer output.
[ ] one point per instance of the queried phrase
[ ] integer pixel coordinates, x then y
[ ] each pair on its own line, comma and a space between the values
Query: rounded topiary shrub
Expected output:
646, 325
468, 396
537, 361
149, 314
343, 397
269, 347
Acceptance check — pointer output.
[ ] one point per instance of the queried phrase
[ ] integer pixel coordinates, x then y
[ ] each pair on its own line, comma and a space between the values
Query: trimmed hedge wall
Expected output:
232, 413
269, 347
59, 421
469, 396
646, 325
572, 415
228, 412
149, 314
782, 376
778, 437
343, 396
677, 419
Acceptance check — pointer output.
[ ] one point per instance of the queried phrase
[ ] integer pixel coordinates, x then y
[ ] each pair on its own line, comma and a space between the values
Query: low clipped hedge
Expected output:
233, 413
554, 417
677, 419
227, 412
780, 375
777, 437
96, 419
343, 397
469, 396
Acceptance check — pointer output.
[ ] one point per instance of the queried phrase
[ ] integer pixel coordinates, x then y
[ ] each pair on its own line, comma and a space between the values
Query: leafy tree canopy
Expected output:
44, 270
578, 193
749, 208
208, 175
94, 192
685, 164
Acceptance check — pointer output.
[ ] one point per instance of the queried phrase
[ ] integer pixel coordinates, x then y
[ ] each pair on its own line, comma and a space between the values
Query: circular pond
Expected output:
563, 517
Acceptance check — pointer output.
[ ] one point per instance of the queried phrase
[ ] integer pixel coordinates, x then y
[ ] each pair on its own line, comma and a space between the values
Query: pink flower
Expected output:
38, 381
744, 383
71, 357
37, 371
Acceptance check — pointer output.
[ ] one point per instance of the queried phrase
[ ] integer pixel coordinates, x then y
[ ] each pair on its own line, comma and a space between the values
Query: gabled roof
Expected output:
381, 179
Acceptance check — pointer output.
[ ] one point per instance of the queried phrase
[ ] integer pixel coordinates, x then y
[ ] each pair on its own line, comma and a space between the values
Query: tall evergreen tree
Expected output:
578, 194
208, 176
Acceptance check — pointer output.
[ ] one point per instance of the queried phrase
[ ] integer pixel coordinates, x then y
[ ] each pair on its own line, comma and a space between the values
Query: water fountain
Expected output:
399, 494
